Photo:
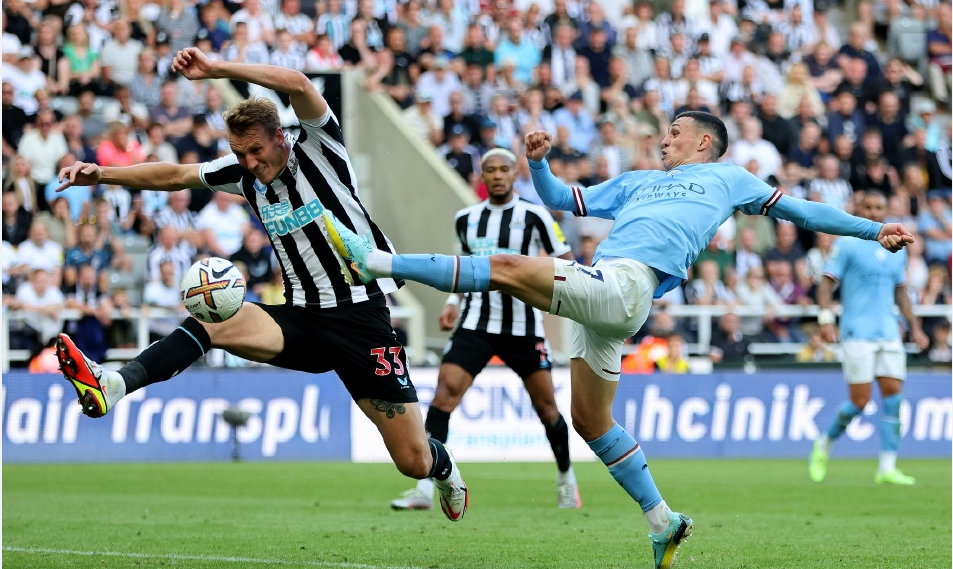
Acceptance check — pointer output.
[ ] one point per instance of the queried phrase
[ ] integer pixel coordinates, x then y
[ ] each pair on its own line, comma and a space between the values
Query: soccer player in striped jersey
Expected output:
495, 323
871, 283
328, 321
663, 219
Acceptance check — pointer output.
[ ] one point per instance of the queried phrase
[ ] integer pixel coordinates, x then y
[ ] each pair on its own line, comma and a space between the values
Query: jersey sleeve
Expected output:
837, 261
548, 233
751, 195
223, 175
603, 200
327, 126
460, 230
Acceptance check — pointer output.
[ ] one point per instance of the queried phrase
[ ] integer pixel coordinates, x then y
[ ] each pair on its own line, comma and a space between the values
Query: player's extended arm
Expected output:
826, 219
306, 101
159, 176
906, 310
554, 194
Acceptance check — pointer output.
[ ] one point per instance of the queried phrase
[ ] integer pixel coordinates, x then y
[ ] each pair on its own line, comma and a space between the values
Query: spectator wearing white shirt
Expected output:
720, 28
120, 56
423, 120
745, 256
163, 292
43, 148
224, 224
41, 252
756, 292
752, 148
40, 297
26, 79
453, 22
440, 82
323, 56
260, 25
300, 26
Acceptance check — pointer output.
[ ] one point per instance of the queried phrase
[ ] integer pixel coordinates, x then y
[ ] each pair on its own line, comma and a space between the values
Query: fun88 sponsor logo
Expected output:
279, 219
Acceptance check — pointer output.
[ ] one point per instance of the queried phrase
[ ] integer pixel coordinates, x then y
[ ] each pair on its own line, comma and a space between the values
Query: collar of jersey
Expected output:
507, 205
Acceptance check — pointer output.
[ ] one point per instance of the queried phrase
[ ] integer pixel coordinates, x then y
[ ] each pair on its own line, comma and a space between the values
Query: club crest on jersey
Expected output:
293, 165
673, 172
519, 225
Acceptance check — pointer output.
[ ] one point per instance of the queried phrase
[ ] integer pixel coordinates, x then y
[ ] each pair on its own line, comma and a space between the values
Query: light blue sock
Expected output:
845, 414
626, 462
890, 423
444, 272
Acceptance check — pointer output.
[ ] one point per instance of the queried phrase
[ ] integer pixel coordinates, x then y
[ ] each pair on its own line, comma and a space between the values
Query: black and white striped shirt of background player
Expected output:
318, 175
519, 228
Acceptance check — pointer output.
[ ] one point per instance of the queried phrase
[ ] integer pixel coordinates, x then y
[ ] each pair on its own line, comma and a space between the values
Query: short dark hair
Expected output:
713, 125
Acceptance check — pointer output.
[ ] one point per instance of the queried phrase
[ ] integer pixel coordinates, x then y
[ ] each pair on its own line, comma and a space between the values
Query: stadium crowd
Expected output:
821, 110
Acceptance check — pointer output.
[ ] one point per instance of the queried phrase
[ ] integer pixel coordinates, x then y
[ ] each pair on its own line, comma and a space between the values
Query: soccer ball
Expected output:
213, 290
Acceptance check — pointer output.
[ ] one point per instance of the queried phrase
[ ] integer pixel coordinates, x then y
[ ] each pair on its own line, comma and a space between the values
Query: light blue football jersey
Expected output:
665, 219
869, 276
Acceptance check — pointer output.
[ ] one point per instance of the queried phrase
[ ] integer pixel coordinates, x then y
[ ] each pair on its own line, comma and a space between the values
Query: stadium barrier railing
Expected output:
409, 311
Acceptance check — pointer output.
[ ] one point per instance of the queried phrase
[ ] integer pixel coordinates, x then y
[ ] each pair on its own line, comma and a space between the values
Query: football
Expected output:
213, 290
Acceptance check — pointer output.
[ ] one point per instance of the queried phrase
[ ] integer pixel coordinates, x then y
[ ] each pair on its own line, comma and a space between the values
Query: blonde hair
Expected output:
254, 112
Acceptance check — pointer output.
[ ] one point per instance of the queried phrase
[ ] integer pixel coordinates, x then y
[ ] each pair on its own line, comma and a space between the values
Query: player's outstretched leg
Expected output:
99, 389
890, 442
821, 452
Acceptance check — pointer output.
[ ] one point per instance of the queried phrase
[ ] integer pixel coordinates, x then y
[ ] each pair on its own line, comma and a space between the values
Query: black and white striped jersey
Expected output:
518, 228
318, 176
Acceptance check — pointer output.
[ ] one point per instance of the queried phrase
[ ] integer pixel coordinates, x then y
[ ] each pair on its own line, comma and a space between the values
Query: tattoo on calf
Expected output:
388, 408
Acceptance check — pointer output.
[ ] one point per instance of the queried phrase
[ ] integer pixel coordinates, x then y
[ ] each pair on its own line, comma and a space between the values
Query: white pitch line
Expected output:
220, 559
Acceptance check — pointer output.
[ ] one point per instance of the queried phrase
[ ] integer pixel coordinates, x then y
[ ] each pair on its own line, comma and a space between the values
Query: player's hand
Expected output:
538, 144
79, 174
920, 339
193, 64
448, 318
893, 237
829, 333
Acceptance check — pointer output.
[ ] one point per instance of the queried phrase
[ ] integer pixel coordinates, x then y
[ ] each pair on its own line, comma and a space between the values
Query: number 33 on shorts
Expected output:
385, 366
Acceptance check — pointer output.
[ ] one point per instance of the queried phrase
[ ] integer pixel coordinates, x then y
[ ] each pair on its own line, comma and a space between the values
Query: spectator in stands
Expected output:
323, 56
224, 224
787, 249
256, 258
43, 147
168, 249
334, 23
453, 24
460, 155
423, 120
845, 118
146, 84
815, 350
752, 148
580, 127
87, 252
26, 78
176, 119
163, 292
935, 226
745, 255
44, 301
157, 144
797, 87
16, 220
79, 69
59, 223
829, 187
891, 125
675, 360
199, 140
39, 251
214, 28
518, 49
120, 56
728, 343
77, 196
941, 348
95, 310
109, 228
781, 277
708, 289
918, 272
288, 53
356, 52
117, 149
856, 48
180, 24
826, 75
808, 144
817, 256
940, 49
754, 291
899, 79
441, 82
22, 185
14, 121
414, 29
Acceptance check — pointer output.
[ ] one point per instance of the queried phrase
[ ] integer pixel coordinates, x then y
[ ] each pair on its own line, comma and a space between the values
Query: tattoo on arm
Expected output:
388, 408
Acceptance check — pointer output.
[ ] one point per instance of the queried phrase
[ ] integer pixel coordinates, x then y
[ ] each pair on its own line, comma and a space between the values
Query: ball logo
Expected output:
206, 287
213, 290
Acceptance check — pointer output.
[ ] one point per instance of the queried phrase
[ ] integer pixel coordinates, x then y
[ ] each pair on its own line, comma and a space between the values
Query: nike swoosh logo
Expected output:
220, 274
356, 270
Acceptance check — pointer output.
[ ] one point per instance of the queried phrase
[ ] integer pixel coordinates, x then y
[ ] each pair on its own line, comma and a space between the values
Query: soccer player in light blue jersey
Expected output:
871, 281
663, 219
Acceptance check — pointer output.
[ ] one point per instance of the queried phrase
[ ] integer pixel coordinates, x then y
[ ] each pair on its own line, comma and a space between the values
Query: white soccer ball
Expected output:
213, 290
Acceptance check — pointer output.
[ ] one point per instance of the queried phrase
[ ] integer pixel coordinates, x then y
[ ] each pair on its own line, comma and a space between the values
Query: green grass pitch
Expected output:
748, 514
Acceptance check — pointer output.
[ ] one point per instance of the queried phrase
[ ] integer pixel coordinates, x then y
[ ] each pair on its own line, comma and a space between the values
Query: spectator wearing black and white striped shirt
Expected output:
300, 26
335, 24
829, 187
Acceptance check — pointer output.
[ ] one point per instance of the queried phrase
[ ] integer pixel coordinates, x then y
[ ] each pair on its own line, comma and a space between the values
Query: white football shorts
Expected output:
608, 302
866, 359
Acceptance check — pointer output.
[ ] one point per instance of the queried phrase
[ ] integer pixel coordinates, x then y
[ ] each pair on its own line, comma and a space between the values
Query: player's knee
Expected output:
547, 410
860, 401
414, 463
448, 395
585, 425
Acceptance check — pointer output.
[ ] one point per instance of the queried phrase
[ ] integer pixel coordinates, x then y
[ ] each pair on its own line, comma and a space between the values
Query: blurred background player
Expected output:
871, 282
496, 324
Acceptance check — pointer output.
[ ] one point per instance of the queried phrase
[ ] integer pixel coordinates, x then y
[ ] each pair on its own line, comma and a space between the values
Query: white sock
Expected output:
888, 461
425, 487
658, 517
568, 477
825, 443
379, 263
115, 386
